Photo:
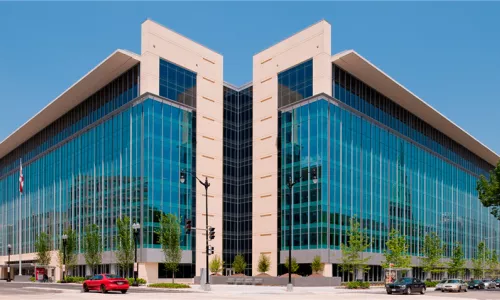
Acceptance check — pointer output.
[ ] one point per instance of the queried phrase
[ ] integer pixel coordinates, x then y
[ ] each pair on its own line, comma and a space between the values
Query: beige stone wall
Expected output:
313, 42
158, 41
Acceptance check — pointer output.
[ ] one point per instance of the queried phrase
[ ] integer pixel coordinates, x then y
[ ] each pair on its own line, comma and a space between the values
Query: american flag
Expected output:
21, 178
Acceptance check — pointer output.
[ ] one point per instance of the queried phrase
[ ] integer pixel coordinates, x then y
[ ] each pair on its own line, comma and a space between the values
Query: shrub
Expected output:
264, 263
169, 285
316, 265
74, 279
358, 285
32, 279
295, 265
431, 283
239, 264
216, 264
140, 281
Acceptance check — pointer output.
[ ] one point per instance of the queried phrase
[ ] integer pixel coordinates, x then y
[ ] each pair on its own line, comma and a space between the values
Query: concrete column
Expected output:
328, 270
149, 272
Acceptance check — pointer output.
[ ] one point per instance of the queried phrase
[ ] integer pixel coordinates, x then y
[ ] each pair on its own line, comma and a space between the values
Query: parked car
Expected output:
454, 285
497, 282
406, 285
439, 286
105, 283
476, 284
489, 284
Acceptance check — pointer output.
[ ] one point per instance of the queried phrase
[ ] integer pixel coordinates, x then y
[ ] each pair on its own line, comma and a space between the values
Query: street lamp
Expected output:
290, 185
136, 227
9, 248
206, 184
64, 239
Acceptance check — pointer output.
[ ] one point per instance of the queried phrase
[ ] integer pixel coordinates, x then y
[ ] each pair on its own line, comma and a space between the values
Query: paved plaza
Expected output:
27, 291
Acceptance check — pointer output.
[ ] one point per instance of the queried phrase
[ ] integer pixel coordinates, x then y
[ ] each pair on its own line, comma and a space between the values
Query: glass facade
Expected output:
295, 83
237, 179
126, 164
377, 174
177, 84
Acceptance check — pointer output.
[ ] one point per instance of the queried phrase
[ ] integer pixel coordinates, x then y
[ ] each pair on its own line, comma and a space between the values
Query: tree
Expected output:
489, 191
124, 244
432, 250
397, 251
92, 246
264, 263
216, 264
239, 264
316, 265
456, 266
42, 249
493, 264
170, 240
479, 262
352, 260
295, 265
71, 248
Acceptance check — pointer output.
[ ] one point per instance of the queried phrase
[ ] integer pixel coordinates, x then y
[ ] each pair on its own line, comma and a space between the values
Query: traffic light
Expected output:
188, 226
211, 233
210, 250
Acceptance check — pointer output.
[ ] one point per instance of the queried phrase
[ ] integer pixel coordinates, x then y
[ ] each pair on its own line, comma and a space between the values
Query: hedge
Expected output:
358, 285
169, 285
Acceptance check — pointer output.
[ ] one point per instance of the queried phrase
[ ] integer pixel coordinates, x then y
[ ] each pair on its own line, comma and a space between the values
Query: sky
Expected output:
446, 53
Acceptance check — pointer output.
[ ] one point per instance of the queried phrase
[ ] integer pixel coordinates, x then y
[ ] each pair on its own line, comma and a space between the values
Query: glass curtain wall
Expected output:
378, 175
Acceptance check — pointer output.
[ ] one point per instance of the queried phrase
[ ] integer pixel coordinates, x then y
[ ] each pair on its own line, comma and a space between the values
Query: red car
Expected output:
105, 283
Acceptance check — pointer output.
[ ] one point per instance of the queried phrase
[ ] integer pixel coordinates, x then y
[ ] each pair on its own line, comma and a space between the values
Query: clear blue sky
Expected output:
446, 53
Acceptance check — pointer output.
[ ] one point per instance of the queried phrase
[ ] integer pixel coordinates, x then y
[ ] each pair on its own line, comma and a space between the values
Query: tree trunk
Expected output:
173, 276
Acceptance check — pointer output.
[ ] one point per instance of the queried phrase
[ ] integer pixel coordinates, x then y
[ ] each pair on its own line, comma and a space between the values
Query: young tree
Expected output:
124, 244
216, 264
264, 263
71, 248
432, 250
42, 249
489, 191
170, 240
357, 242
479, 262
397, 251
295, 265
493, 264
92, 246
316, 265
239, 264
456, 266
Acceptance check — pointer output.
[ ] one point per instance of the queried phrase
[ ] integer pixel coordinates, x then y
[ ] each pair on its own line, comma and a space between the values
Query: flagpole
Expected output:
20, 214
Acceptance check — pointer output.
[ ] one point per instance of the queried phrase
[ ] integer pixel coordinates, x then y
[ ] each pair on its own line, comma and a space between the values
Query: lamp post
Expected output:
64, 240
9, 248
206, 184
290, 185
136, 227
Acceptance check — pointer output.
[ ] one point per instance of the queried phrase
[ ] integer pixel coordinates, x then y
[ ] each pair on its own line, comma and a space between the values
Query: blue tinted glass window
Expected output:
295, 83
177, 83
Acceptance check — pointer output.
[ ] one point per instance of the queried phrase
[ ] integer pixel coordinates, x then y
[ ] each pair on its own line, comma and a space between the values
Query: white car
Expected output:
439, 286
489, 284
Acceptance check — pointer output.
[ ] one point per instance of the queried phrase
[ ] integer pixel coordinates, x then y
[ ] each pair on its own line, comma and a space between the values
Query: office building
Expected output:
115, 143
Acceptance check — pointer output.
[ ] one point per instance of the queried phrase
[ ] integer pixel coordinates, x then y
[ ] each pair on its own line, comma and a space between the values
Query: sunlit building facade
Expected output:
115, 143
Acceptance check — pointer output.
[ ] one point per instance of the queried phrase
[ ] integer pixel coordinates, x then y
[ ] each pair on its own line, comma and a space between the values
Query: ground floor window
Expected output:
184, 271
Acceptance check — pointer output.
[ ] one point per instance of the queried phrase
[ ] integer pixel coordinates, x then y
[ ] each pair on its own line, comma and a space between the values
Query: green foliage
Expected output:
316, 265
264, 263
456, 265
397, 251
216, 264
489, 191
357, 242
239, 264
42, 249
493, 264
71, 255
32, 279
92, 246
431, 283
169, 285
124, 243
479, 262
358, 285
170, 240
74, 279
140, 281
432, 251
295, 265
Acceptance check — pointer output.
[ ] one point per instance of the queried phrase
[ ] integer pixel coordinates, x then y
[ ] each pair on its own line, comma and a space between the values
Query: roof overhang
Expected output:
110, 68
358, 66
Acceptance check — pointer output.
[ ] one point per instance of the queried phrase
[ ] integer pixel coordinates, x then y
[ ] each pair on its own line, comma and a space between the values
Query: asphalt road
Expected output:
471, 294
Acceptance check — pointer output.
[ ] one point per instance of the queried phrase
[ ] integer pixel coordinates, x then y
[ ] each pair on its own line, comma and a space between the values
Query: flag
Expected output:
21, 178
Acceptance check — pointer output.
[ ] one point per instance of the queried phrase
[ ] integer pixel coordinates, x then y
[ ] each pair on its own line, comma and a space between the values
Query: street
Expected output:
73, 292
